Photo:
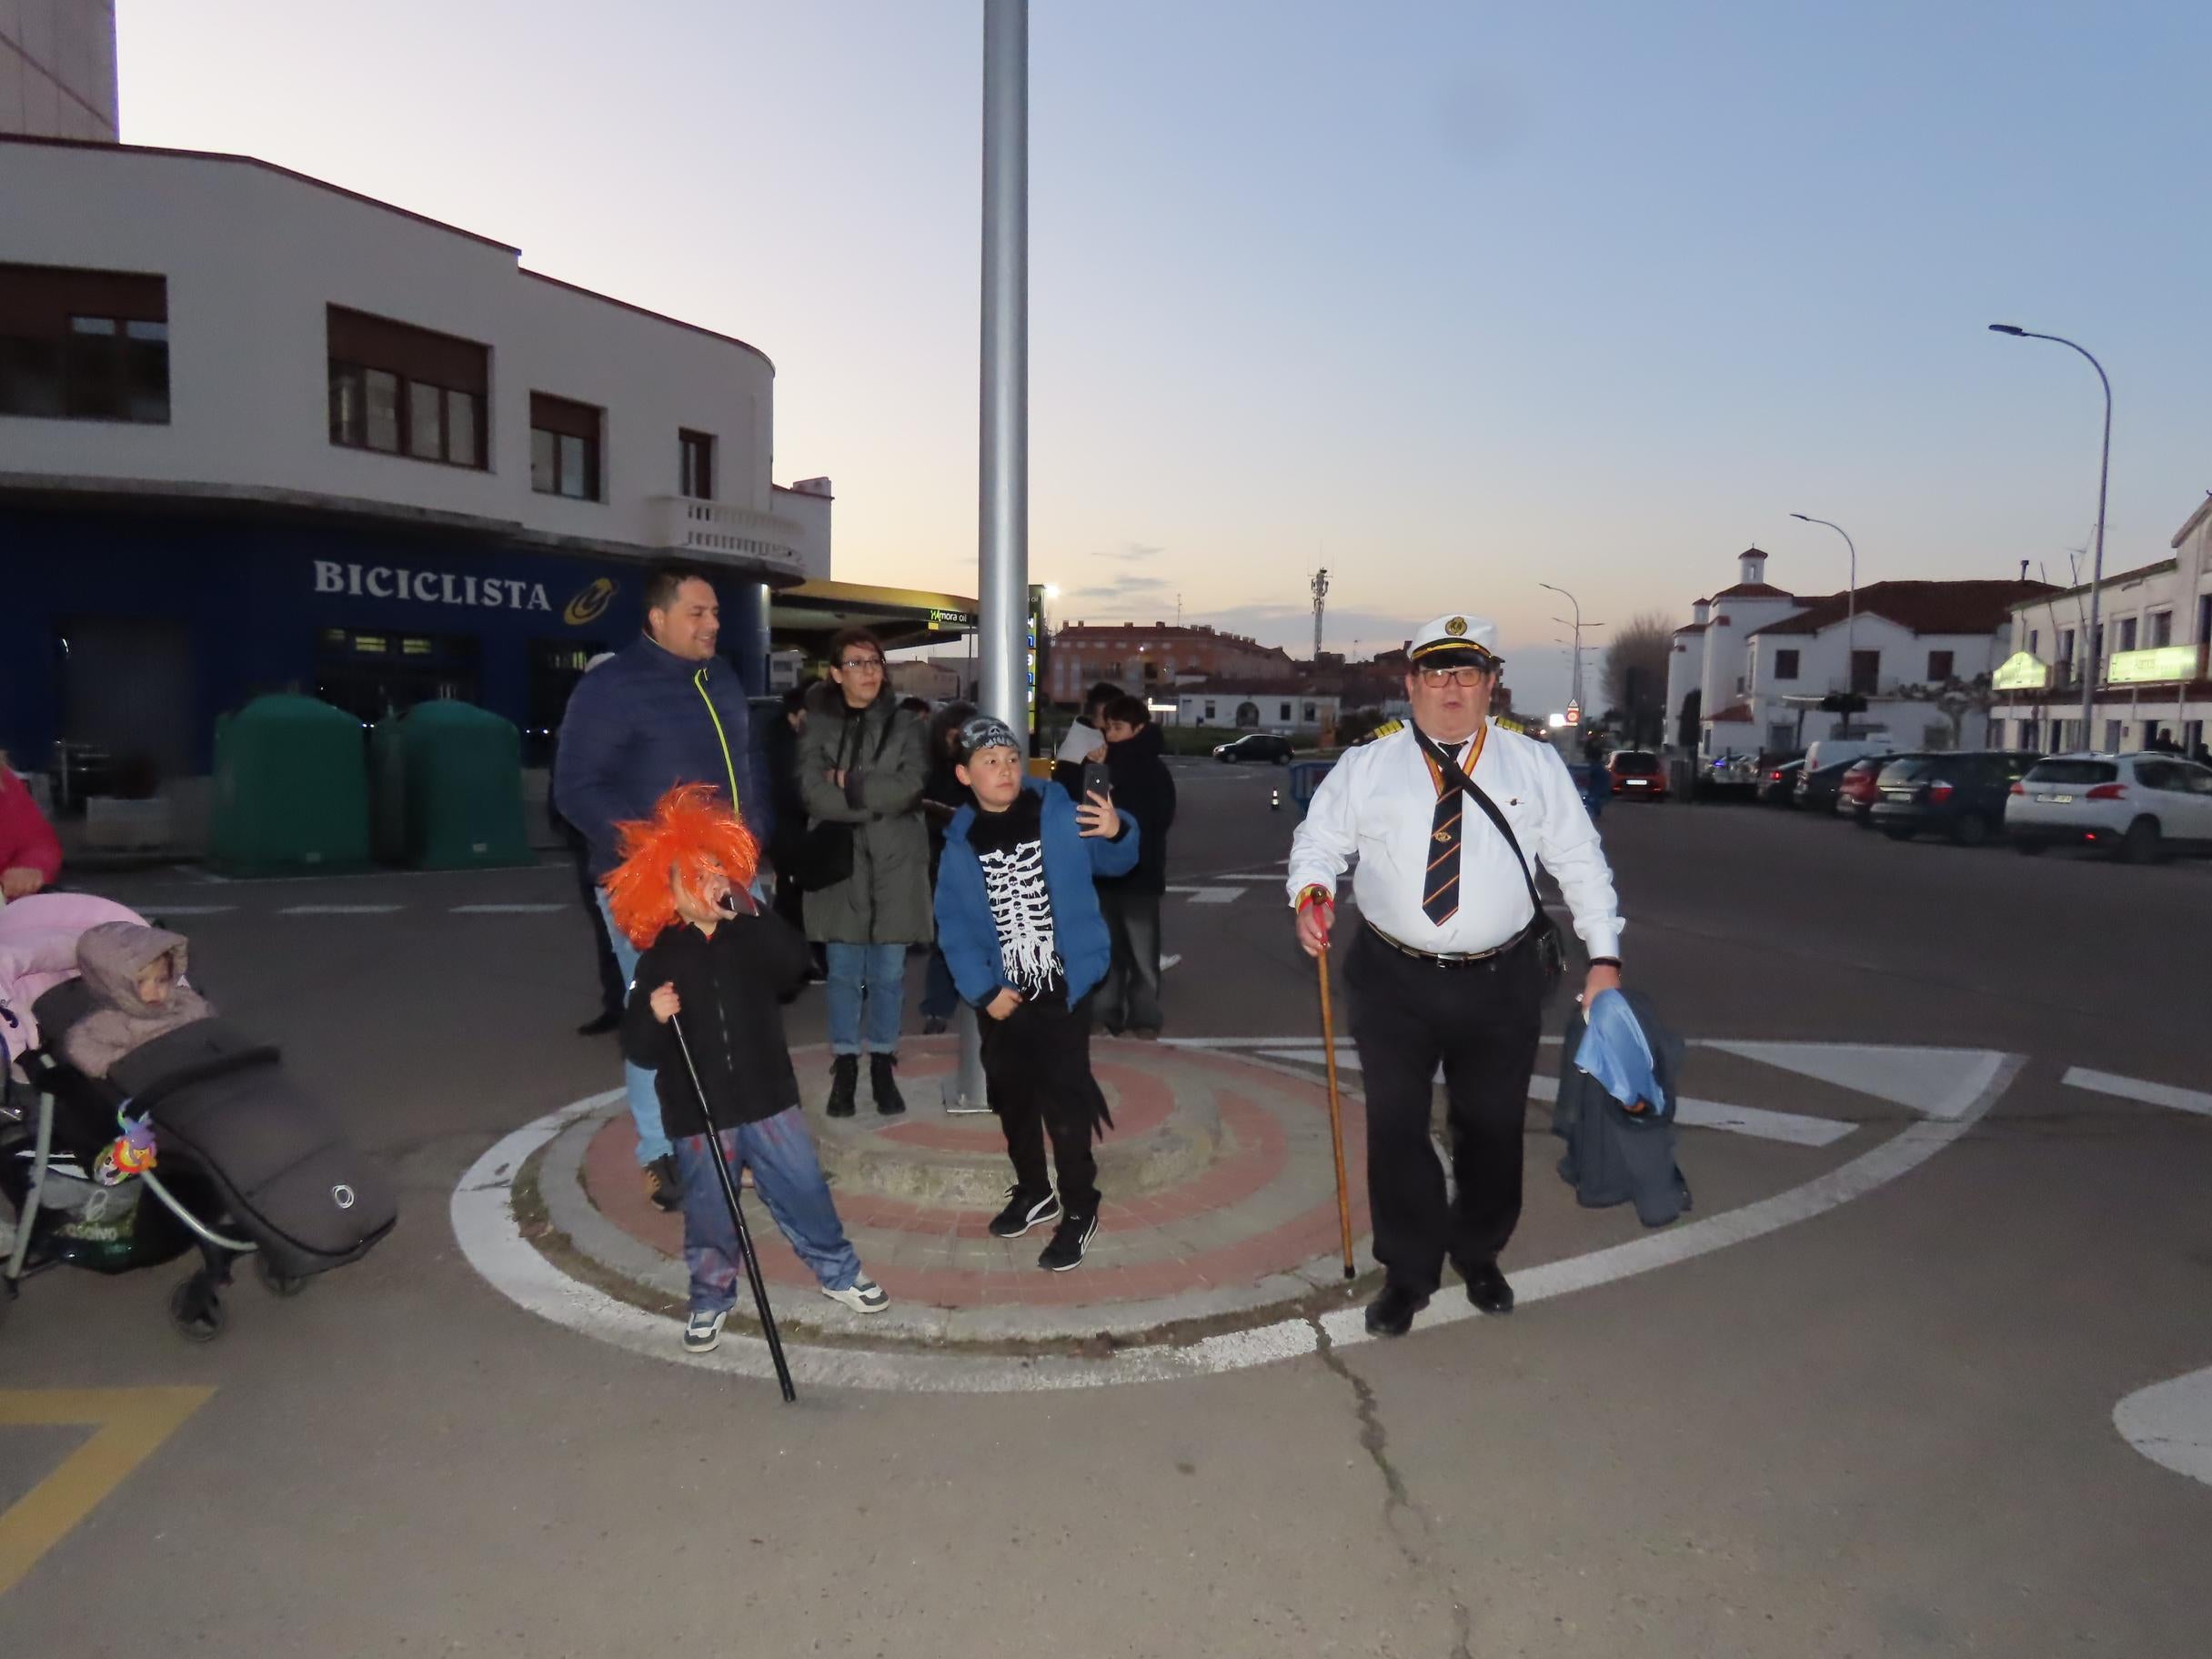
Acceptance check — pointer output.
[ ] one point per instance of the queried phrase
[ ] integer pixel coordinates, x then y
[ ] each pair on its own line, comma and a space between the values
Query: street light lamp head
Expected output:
2012, 329
1801, 515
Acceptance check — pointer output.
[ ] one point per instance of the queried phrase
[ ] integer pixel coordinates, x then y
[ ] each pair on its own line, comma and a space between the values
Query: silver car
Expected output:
2139, 806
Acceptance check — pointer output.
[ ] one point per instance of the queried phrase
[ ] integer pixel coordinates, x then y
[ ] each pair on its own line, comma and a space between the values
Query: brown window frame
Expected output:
566, 422
416, 360
701, 445
1948, 668
54, 320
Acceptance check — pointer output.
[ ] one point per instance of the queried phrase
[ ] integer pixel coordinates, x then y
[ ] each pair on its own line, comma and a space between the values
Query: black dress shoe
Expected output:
1391, 1313
609, 1021
1487, 1289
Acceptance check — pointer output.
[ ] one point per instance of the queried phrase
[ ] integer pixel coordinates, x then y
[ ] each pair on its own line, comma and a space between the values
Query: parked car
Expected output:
1778, 787
1855, 792
1827, 751
1815, 788
1962, 792
1636, 771
2140, 806
1254, 745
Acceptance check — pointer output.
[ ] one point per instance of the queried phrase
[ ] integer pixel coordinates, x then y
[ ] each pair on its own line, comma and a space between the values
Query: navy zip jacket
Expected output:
1073, 864
641, 724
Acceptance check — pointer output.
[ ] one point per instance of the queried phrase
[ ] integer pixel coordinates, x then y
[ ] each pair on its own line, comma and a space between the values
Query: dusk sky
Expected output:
1450, 297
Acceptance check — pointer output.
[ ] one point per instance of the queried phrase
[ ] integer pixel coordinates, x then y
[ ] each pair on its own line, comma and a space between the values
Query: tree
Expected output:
1635, 674
1954, 700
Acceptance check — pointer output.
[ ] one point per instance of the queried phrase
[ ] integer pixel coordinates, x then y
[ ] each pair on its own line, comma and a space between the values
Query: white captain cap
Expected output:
1455, 640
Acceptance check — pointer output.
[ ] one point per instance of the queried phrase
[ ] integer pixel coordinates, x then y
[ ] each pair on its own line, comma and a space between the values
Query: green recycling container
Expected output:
291, 790
388, 791
463, 788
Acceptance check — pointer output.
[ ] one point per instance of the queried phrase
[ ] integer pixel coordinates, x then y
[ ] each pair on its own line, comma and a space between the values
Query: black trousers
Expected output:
614, 990
1037, 1068
1129, 997
1483, 1022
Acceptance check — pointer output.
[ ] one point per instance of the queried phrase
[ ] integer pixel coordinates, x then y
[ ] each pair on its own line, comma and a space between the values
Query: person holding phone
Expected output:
1140, 786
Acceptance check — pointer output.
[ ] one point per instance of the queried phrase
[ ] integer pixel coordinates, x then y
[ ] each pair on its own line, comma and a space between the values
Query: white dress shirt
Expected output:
1379, 804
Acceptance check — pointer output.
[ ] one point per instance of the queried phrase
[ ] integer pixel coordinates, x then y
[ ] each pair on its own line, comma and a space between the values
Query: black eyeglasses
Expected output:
853, 664
1465, 677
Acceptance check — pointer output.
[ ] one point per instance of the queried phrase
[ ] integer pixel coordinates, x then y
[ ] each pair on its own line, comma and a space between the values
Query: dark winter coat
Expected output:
731, 984
1145, 789
1072, 864
780, 761
886, 899
643, 723
1613, 1157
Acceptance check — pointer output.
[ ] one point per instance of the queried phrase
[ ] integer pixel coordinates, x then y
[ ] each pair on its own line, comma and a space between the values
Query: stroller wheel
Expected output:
275, 1282
196, 1311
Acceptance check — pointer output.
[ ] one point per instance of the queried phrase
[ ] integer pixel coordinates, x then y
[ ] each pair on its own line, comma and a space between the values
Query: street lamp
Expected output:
1851, 615
1577, 626
2096, 570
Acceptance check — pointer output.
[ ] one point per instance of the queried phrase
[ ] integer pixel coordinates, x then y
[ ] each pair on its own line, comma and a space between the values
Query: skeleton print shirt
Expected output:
1010, 845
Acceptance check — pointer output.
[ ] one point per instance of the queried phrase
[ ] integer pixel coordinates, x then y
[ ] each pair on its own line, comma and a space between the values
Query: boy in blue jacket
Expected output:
1017, 920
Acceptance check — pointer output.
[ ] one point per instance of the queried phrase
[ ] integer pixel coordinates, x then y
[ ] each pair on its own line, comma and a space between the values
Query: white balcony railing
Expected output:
724, 530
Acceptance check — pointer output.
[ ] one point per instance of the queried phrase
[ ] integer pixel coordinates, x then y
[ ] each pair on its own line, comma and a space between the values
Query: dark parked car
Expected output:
1961, 793
1858, 789
1816, 792
1636, 771
1254, 745
1778, 784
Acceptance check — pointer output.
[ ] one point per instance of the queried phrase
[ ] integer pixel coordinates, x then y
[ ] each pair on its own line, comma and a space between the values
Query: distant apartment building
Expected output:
1151, 658
57, 69
1250, 707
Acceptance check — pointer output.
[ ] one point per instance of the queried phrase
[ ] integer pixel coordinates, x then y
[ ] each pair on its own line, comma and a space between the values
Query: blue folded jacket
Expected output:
1615, 1052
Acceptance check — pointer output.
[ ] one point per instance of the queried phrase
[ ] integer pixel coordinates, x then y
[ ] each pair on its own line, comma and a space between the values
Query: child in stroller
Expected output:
195, 1137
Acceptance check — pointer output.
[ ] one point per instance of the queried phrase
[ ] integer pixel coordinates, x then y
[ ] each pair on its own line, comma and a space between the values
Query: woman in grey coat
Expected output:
861, 763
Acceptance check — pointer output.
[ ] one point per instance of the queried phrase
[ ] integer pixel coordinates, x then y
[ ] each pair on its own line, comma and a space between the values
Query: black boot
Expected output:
844, 1077
888, 1103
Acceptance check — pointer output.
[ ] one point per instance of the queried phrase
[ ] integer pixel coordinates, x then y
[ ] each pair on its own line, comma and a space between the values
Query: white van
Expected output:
1830, 752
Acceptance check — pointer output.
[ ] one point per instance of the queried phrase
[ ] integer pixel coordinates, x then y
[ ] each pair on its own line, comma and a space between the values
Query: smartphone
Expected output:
1096, 780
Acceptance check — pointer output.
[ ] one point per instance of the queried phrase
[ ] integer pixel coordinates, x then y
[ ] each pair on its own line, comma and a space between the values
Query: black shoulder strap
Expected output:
1456, 776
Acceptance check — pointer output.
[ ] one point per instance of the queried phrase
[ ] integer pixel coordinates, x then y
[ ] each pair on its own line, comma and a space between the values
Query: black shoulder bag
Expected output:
1551, 949
825, 852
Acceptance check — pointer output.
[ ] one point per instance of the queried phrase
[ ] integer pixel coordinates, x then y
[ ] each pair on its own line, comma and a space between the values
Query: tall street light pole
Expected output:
1851, 613
1002, 584
2096, 570
1575, 691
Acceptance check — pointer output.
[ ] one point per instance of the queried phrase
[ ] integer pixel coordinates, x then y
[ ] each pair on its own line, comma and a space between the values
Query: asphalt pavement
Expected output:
1882, 1423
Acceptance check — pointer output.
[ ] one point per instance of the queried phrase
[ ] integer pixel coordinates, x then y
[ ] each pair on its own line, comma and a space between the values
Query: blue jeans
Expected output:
940, 996
873, 973
644, 1104
788, 1178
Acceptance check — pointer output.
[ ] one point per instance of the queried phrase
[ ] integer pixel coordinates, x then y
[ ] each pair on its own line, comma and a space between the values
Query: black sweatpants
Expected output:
1037, 1067
1129, 997
1483, 1021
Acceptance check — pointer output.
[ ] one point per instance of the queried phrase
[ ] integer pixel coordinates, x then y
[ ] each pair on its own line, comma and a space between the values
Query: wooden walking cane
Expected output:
1336, 1110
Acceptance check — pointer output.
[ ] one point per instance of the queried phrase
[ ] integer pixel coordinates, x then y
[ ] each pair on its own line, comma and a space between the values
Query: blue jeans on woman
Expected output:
867, 997
644, 1104
788, 1178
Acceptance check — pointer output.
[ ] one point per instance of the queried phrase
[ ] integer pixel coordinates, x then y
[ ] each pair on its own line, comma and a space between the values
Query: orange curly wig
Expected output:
690, 831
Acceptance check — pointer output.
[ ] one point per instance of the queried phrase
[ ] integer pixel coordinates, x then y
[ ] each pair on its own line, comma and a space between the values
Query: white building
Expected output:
57, 68
257, 431
1760, 661
2154, 633
1280, 708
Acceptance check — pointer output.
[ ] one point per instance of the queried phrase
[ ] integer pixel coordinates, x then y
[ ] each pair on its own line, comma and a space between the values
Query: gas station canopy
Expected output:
804, 618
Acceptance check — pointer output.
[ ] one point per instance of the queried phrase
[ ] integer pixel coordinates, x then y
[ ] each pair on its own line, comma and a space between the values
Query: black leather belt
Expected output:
1460, 959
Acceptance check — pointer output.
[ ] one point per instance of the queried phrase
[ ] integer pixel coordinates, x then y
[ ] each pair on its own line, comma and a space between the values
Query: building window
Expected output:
403, 390
2128, 634
84, 345
1209, 710
1310, 716
1865, 672
2035, 639
2111, 738
1939, 666
565, 447
2027, 734
1785, 665
2161, 628
1286, 712
695, 464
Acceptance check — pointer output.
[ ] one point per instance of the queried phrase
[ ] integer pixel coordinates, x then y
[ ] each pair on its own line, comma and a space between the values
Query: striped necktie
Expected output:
1440, 887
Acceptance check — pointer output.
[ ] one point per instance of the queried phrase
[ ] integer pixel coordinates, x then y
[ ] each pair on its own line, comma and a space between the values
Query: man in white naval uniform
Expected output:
1443, 965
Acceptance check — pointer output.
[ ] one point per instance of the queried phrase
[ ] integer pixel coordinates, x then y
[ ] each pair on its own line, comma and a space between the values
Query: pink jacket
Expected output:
26, 839
38, 939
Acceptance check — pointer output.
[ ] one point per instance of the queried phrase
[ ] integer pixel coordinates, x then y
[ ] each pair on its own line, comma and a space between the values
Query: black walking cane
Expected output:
737, 1215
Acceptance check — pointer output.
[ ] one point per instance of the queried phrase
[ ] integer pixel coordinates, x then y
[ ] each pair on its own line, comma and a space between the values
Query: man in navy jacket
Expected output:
664, 710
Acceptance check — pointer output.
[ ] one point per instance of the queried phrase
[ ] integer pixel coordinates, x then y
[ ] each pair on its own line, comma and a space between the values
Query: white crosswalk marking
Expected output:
2132, 1088
159, 911
511, 909
1210, 895
340, 909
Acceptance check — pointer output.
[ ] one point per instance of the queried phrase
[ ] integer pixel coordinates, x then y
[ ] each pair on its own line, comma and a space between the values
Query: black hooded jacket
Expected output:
1145, 789
731, 984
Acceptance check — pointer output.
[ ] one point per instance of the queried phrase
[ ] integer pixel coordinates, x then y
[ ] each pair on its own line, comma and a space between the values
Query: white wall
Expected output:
252, 255
57, 68
1190, 708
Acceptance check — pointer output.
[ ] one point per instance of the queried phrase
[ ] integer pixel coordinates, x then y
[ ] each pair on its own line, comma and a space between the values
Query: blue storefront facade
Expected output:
131, 631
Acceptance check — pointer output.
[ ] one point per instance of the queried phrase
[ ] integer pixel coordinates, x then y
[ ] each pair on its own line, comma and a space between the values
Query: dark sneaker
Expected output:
663, 1185
1487, 1289
703, 1330
844, 1082
1070, 1240
883, 1086
1023, 1213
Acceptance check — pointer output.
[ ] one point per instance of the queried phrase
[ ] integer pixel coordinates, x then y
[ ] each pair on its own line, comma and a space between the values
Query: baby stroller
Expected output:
245, 1163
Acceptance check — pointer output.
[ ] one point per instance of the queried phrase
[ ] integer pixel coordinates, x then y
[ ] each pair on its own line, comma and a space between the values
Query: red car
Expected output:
1636, 771
1857, 794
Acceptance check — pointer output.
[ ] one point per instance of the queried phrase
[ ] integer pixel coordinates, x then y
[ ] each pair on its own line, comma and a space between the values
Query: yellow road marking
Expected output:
128, 1423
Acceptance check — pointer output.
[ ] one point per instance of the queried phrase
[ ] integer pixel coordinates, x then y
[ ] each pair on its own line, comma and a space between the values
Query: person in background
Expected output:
1085, 741
666, 710
30, 853
919, 706
942, 795
779, 757
860, 764
1128, 998
613, 988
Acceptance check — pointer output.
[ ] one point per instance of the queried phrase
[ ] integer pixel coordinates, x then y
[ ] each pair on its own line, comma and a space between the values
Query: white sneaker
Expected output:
863, 1295
704, 1331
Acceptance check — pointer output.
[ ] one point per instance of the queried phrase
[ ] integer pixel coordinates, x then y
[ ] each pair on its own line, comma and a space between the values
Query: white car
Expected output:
2140, 806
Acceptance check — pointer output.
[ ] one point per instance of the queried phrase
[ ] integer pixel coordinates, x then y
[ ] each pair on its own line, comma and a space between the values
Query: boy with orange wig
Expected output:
719, 962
